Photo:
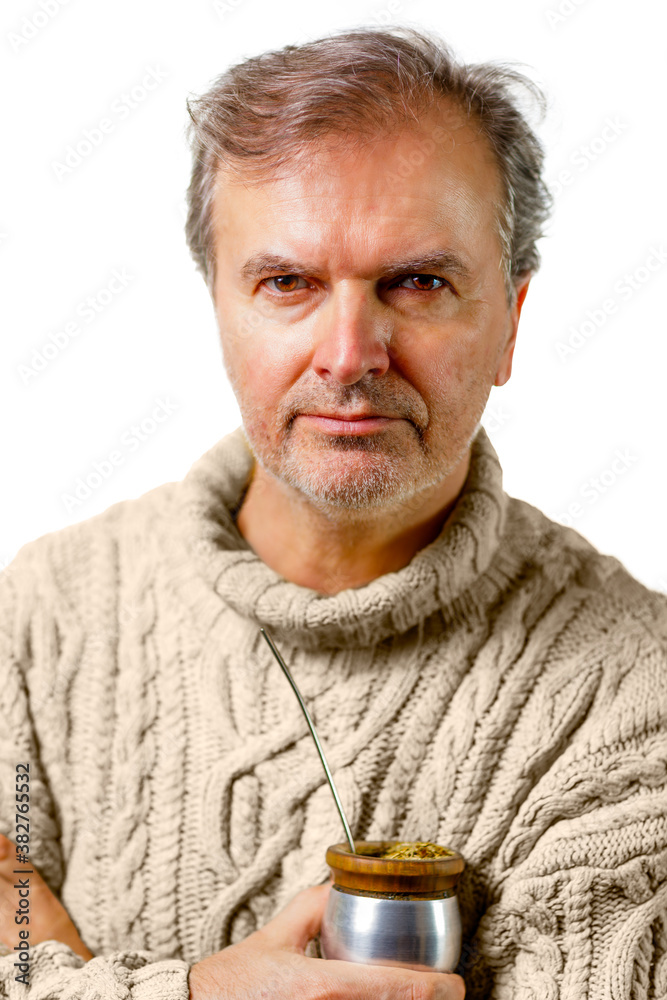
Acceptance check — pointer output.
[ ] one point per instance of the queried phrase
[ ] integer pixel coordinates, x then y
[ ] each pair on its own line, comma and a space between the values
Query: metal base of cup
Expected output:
422, 934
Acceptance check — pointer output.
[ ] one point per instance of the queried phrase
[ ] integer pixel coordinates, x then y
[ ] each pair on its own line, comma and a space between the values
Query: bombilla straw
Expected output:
332, 785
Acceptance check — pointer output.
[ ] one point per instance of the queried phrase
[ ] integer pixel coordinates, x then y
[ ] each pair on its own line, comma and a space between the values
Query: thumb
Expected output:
300, 920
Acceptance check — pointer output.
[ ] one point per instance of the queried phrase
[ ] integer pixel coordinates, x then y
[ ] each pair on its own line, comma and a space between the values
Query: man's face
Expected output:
327, 305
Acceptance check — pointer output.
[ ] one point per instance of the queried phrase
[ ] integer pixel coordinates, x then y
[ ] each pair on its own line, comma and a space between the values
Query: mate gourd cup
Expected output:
392, 912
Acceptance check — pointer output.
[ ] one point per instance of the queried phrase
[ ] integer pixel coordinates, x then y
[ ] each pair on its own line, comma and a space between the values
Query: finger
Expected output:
300, 920
362, 980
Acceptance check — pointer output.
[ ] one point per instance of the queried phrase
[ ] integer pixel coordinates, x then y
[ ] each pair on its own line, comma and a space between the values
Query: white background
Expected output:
557, 425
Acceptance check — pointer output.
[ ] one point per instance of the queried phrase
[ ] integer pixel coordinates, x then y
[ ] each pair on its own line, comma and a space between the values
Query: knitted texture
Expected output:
503, 694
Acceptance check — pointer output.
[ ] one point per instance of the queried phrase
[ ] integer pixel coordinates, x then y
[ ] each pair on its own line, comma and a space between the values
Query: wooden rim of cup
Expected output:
367, 872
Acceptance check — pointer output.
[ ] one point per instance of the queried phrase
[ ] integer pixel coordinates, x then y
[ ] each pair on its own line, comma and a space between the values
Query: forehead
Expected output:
392, 192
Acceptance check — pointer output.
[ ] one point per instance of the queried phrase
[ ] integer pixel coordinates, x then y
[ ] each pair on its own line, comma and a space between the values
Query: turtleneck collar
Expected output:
435, 577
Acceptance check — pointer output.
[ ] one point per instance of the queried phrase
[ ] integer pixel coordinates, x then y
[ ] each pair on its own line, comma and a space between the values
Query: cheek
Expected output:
439, 363
261, 374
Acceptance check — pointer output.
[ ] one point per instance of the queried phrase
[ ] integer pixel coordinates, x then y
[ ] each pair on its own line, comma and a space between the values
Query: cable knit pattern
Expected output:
503, 693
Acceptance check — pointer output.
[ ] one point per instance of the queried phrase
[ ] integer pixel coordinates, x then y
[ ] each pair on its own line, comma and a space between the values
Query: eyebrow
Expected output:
261, 264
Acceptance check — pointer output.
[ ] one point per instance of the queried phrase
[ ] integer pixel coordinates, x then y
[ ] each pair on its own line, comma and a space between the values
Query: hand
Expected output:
272, 963
49, 920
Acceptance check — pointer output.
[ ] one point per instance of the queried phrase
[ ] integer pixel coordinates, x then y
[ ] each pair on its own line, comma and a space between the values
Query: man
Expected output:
365, 213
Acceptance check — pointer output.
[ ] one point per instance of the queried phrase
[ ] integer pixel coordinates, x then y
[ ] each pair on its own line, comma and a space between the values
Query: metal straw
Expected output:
332, 785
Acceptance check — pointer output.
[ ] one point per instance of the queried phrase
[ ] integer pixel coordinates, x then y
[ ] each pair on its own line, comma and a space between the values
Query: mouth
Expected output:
347, 425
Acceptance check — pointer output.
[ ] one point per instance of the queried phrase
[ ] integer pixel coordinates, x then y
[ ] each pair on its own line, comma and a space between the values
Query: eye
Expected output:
287, 282
423, 279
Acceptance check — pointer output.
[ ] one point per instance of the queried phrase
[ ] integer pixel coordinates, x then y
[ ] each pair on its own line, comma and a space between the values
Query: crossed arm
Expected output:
272, 961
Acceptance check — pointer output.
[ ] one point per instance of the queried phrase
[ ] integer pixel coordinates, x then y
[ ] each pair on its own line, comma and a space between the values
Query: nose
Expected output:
351, 336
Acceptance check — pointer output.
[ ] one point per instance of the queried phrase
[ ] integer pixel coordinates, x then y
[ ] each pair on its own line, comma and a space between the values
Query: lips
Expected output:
350, 424
348, 416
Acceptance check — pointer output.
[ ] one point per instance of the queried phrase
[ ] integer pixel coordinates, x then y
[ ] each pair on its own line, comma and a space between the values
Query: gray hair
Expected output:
264, 111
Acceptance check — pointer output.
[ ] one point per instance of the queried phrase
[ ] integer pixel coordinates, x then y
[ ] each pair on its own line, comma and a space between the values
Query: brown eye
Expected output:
423, 282
287, 282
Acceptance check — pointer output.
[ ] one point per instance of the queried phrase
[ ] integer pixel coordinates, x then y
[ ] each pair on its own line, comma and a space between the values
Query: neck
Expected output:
452, 578
329, 549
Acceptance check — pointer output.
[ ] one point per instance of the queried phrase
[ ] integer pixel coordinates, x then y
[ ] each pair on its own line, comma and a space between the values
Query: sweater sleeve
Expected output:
580, 906
54, 970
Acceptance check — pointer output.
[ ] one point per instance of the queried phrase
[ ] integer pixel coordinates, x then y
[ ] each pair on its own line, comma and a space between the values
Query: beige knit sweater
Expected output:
504, 694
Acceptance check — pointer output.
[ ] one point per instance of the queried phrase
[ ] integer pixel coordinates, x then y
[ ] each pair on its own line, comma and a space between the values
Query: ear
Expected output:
505, 364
